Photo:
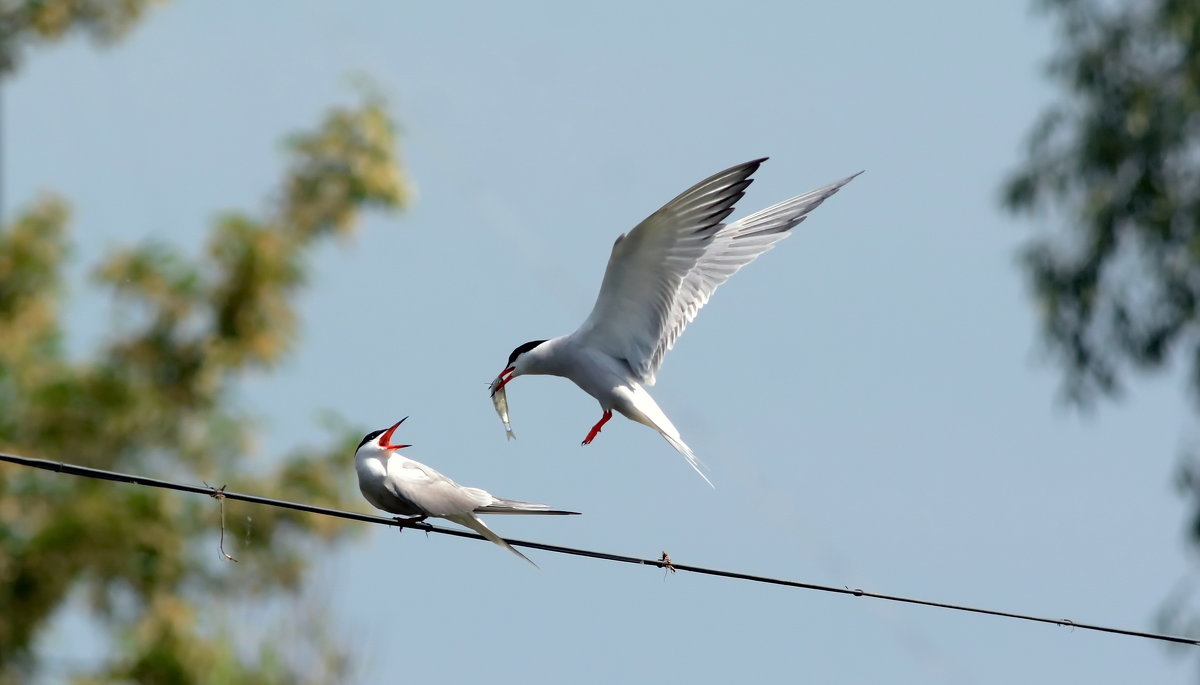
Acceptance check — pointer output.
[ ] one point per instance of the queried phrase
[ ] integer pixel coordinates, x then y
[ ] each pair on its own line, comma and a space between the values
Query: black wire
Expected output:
665, 562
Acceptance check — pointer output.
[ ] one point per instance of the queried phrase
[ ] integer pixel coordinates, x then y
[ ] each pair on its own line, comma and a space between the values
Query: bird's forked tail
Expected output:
683, 449
472, 521
646, 412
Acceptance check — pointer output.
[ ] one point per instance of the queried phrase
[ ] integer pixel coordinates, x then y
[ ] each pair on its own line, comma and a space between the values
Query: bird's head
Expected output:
518, 364
381, 440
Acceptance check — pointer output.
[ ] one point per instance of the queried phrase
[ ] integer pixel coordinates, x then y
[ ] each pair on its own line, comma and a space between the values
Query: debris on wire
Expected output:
219, 495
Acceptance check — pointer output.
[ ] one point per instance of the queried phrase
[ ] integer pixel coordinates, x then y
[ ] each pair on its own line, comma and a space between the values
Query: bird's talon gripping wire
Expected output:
407, 521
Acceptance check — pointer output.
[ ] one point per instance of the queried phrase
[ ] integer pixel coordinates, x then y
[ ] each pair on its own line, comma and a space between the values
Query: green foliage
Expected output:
153, 400
35, 21
1119, 162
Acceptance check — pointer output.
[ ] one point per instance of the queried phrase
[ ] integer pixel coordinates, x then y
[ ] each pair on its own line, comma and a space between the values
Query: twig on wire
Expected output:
72, 469
665, 562
219, 495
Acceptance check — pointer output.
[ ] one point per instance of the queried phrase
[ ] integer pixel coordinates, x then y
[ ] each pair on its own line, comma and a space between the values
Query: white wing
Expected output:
648, 265
733, 247
654, 287
430, 491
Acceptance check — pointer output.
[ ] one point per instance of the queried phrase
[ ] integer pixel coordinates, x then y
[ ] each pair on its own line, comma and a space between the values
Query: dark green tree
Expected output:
1116, 165
154, 398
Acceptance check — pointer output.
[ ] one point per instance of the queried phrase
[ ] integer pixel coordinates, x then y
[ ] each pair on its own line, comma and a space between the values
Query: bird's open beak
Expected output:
386, 438
503, 379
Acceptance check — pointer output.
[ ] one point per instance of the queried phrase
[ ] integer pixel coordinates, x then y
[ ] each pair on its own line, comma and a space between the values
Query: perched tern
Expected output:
398, 485
658, 277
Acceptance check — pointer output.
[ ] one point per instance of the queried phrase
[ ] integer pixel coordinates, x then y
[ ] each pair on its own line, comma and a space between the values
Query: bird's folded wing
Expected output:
499, 505
648, 266
432, 492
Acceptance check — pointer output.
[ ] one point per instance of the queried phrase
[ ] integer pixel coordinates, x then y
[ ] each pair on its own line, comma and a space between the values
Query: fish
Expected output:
500, 402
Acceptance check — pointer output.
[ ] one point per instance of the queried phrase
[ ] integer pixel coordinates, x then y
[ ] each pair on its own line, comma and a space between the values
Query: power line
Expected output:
664, 562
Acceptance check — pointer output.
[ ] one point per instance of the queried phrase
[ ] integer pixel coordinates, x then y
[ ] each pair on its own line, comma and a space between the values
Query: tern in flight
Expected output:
658, 277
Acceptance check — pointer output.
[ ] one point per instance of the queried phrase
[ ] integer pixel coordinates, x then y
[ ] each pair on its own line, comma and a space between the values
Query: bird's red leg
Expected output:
596, 428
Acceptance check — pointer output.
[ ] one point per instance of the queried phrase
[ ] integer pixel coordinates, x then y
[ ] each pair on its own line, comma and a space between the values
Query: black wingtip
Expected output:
754, 164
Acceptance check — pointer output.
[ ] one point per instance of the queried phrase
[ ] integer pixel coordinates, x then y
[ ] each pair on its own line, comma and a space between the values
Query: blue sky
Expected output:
871, 396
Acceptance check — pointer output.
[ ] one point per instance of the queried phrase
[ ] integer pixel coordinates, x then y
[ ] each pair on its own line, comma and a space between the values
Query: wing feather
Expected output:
432, 492
731, 248
512, 506
665, 270
648, 265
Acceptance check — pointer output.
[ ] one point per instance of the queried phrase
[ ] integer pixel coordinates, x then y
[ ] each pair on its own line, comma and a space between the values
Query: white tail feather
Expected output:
471, 521
645, 411
686, 451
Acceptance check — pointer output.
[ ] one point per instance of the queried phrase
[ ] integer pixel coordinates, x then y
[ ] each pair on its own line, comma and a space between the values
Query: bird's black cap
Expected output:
369, 437
523, 349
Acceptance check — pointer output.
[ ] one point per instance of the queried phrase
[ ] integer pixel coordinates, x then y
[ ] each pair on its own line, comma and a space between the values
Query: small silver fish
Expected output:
500, 402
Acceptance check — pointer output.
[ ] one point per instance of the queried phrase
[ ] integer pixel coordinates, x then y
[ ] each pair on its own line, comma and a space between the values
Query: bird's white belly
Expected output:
610, 389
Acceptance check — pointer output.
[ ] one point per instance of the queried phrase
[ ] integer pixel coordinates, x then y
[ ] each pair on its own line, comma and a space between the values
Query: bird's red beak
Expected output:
386, 438
504, 377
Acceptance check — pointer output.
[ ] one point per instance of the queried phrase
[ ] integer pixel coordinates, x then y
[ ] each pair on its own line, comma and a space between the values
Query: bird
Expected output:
398, 485
658, 277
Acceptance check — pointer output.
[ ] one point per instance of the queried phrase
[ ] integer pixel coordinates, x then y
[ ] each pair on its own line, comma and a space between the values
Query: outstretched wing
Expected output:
733, 247
648, 266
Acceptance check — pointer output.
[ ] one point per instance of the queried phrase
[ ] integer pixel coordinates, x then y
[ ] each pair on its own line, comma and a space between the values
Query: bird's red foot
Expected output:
596, 428
409, 519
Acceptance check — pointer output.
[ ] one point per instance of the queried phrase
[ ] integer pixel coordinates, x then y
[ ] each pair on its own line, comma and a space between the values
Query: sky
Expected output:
871, 397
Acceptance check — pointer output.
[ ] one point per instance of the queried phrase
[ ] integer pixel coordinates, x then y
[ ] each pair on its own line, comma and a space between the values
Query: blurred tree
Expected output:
1117, 161
153, 399
34, 21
